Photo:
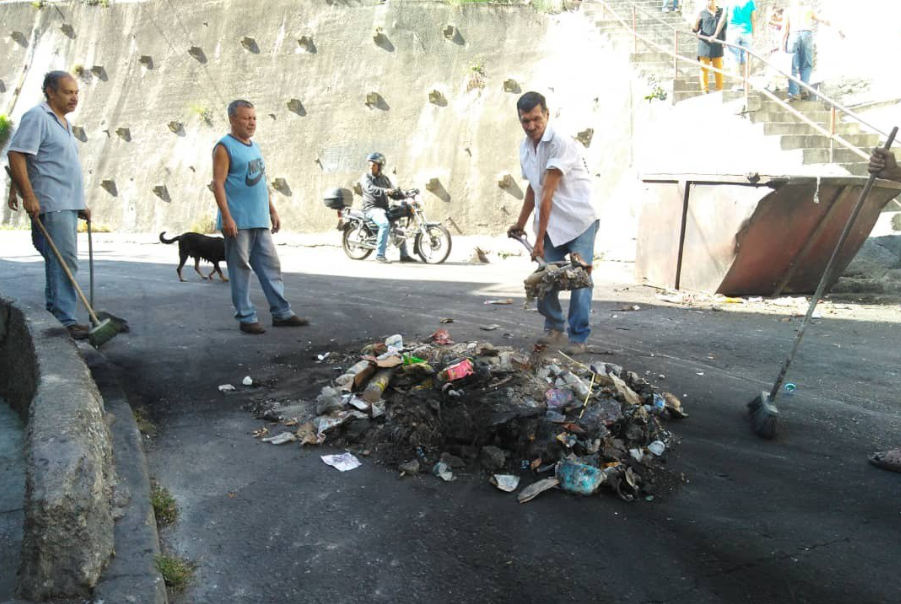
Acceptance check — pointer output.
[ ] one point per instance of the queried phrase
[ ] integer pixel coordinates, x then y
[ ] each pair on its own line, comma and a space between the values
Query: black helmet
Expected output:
377, 158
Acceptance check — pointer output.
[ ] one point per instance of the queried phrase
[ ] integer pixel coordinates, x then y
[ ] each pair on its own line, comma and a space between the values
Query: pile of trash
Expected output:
451, 408
555, 276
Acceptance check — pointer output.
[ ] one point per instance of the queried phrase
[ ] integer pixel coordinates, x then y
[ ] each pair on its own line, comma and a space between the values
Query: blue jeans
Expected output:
802, 59
380, 218
254, 249
59, 293
674, 4
580, 299
743, 40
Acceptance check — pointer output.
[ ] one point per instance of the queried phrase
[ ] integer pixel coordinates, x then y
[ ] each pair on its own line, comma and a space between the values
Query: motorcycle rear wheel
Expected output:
436, 247
351, 241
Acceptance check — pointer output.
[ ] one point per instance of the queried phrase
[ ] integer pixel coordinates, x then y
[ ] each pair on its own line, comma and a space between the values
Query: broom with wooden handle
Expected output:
103, 331
763, 411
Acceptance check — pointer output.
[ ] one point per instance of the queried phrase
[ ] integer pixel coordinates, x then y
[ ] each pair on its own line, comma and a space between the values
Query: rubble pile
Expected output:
556, 276
449, 408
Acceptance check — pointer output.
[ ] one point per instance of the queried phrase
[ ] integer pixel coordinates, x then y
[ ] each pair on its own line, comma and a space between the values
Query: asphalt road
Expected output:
801, 519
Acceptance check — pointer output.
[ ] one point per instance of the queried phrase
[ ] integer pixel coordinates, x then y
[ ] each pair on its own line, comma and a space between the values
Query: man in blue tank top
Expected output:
245, 212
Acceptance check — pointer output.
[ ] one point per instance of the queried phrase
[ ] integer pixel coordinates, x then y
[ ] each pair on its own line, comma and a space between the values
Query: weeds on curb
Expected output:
164, 506
145, 424
177, 572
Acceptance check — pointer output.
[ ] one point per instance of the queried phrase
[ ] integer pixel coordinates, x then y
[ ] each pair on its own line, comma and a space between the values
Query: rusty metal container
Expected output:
750, 235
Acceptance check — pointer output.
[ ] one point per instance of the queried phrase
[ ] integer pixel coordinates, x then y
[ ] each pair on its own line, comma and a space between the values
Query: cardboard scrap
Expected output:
536, 488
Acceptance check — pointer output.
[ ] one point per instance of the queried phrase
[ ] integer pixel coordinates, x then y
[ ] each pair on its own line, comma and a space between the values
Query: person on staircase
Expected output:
741, 24
670, 6
710, 25
797, 36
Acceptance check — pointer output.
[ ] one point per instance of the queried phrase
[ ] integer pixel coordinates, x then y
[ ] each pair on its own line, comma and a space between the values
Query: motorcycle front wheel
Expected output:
435, 246
352, 242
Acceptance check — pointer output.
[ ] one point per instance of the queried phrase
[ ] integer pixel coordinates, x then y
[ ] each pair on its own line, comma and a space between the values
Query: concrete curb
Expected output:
132, 577
68, 536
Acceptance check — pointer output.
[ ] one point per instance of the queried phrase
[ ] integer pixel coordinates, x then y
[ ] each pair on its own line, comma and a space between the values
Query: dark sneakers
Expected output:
79, 331
292, 321
407, 258
253, 328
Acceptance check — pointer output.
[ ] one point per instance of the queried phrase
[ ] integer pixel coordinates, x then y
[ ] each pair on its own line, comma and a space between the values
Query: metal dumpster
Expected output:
750, 235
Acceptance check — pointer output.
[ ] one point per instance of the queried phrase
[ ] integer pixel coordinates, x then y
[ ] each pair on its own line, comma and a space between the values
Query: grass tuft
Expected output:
164, 507
145, 424
177, 572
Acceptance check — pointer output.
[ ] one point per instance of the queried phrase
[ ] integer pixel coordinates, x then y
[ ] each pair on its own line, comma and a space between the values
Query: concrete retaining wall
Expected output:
69, 469
466, 139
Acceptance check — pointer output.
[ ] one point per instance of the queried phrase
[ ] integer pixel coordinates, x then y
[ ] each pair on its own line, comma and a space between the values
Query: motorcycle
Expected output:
431, 240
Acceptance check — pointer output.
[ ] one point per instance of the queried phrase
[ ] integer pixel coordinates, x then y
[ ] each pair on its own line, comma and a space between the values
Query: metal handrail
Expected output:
747, 81
771, 96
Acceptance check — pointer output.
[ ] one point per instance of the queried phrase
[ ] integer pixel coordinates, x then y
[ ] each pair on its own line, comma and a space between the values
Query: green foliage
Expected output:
39, 4
164, 506
203, 112
177, 572
655, 90
145, 424
204, 226
103, 3
6, 127
549, 6
475, 78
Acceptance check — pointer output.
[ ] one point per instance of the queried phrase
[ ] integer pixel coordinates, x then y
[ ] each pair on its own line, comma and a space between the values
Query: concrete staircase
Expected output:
682, 82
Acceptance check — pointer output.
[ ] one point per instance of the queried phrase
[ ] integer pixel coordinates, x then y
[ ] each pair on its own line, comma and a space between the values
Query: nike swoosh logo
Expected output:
250, 182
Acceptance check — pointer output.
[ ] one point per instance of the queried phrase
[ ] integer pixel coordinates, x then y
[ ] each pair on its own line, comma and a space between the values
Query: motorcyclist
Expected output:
377, 189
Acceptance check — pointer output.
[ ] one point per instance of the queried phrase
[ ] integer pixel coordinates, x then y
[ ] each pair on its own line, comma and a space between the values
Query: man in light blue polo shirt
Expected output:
245, 215
43, 159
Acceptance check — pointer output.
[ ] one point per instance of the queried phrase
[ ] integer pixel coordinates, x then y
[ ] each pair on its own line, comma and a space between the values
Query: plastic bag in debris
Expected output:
443, 471
328, 400
579, 478
281, 438
247, 381
572, 381
357, 403
657, 448
226, 388
394, 343
343, 462
505, 482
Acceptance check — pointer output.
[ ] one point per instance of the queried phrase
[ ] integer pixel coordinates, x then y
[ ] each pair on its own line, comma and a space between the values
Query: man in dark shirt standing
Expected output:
376, 191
